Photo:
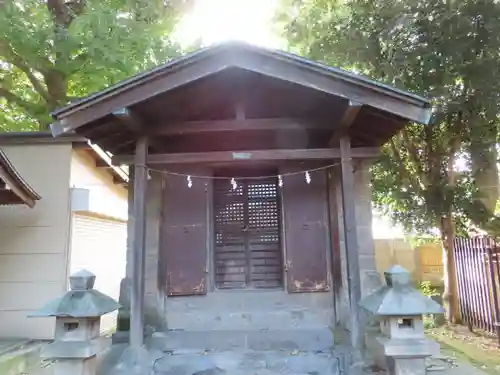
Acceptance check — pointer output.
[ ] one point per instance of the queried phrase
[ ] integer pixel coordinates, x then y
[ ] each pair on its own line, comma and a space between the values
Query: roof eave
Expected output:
57, 128
21, 138
16, 183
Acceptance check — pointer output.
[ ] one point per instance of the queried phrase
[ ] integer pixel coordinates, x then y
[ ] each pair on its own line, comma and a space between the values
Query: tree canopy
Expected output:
55, 51
446, 51
442, 176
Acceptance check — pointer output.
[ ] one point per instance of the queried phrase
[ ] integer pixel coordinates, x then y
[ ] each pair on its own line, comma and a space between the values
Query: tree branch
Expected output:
16, 100
412, 153
16, 60
77, 62
417, 186
35, 82
65, 12
433, 157
455, 144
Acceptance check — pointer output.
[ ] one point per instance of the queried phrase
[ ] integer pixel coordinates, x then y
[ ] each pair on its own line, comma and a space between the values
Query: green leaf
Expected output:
447, 51
47, 61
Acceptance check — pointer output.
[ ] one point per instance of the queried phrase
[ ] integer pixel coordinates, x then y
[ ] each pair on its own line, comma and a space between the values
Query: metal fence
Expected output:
478, 275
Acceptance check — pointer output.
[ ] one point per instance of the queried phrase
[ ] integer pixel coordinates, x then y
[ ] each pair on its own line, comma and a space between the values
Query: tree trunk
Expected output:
450, 294
485, 171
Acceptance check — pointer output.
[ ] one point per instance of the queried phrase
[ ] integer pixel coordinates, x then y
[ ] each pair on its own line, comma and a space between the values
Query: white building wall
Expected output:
99, 234
34, 242
106, 198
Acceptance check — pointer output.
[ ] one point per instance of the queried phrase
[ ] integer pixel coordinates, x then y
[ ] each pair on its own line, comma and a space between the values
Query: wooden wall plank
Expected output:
306, 229
185, 236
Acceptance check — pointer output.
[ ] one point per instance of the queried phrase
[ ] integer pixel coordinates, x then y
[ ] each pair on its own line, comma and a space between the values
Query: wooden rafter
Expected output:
116, 140
256, 155
135, 124
120, 175
345, 123
128, 118
193, 127
99, 163
211, 61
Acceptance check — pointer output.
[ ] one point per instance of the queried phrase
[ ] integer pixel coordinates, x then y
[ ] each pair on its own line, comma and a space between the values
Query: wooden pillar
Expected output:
139, 251
351, 241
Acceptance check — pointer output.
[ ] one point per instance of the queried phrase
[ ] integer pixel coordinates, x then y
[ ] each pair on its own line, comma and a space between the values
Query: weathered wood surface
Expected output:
251, 155
346, 121
247, 235
274, 66
184, 236
306, 231
192, 127
351, 241
139, 245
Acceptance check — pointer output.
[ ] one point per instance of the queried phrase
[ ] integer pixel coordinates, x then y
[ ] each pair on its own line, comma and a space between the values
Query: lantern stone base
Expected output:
407, 366
80, 367
401, 356
78, 316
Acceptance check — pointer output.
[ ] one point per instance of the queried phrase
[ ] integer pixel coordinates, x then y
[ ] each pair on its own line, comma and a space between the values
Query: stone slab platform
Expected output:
319, 340
249, 363
264, 362
233, 362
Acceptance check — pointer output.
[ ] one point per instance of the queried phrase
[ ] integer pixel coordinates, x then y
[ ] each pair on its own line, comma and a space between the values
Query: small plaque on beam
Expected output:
242, 155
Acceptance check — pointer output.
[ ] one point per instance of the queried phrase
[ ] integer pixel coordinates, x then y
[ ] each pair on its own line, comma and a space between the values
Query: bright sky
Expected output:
215, 21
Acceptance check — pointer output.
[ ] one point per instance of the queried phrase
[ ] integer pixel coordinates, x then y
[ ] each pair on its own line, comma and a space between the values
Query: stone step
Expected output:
257, 320
237, 310
317, 340
252, 363
251, 300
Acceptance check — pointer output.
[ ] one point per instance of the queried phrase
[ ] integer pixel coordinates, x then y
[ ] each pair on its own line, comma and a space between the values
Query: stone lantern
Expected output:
78, 318
402, 346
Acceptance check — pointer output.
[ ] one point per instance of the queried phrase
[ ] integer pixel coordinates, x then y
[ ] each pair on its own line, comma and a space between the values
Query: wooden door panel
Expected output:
230, 252
306, 232
185, 236
263, 235
247, 235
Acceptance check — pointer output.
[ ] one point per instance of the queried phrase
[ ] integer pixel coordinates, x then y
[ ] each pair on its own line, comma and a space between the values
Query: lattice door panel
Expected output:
231, 267
247, 235
264, 235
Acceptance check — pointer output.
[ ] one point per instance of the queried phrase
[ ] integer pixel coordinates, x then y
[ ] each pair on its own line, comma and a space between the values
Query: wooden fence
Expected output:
425, 262
478, 275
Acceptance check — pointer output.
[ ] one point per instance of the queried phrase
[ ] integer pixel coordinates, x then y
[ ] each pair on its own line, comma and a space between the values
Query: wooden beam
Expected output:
351, 241
119, 181
271, 64
345, 123
99, 163
193, 127
370, 93
135, 93
123, 146
256, 155
80, 146
135, 124
139, 244
100, 154
129, 119
114, 139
